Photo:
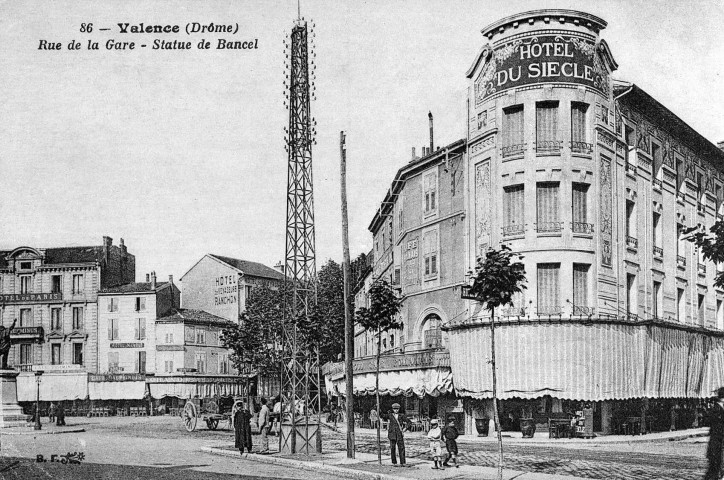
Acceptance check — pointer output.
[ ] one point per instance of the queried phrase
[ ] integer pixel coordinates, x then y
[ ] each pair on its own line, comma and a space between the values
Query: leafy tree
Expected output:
711, 245
329, 311
497, 278
379, 318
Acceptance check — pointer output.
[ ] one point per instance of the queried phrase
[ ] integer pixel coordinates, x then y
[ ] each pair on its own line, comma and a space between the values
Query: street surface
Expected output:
160, 448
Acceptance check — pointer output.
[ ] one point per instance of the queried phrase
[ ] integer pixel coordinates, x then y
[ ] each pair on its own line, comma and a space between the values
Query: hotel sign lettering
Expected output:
408, 361
542, 59
10, 298
126, 345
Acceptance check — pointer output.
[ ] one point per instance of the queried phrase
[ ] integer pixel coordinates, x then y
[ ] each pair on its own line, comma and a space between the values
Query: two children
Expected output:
449, 434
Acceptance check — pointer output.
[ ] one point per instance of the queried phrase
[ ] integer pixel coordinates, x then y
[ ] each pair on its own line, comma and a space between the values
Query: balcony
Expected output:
582, 311
582, 147
632, 243
700, 208
514, 230
631, 169
513, 150
658, 184
550, 310
549, 146
582, 227
24, 367
512, 312
549, 227
680, 261
701, 269
658, 253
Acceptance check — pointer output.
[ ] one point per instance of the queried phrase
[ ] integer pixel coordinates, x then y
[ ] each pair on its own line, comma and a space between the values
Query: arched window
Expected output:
431, 332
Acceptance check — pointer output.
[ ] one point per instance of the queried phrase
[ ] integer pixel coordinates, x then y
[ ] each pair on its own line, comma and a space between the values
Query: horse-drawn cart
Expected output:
208, 411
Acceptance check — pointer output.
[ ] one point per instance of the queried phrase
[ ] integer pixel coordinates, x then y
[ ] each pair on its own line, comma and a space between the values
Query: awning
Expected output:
53, 386
593, 362
190, 387
116, 390
420, 382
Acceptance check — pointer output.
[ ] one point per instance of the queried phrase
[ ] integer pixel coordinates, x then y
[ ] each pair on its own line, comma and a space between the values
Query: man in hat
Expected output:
396, 433
716, 438
242, 427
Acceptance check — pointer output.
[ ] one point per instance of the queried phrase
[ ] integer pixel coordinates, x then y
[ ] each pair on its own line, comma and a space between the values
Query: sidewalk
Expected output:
47, 429
365, 467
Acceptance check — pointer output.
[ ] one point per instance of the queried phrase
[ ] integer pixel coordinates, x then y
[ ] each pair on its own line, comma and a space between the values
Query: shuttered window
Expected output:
631, 307
657, 299
580, 203
430, 253
513, 213
546, 121
113, 329
113, 362
549, 288
430, 191
141, 362
513, 131
547, 207
578, 123
580, 288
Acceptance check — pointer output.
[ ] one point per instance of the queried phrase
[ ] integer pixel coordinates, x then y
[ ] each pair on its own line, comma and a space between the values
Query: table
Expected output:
558, 427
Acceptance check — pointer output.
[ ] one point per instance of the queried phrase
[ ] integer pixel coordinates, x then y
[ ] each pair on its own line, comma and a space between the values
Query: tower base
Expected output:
11, 415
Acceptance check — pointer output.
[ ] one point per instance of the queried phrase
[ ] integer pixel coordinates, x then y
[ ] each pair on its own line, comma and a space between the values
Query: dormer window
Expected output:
26, 265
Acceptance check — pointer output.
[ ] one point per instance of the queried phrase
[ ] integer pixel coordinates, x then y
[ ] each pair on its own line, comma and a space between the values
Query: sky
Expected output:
181, 152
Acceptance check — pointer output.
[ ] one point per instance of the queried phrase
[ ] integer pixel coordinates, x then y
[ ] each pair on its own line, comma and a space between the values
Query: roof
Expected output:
136, 287
185, 315
62, 255
668, 121
592, 21
252, 269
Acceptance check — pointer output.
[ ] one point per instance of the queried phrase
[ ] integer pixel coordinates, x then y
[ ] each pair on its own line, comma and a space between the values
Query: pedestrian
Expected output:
242, 428
450, 434
374, 418
52, 410
264, 426
435, 437
716, 438
60, 422
396, 433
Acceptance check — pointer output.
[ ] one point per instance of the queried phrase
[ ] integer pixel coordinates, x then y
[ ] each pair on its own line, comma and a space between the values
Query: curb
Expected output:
42, 432
311, 466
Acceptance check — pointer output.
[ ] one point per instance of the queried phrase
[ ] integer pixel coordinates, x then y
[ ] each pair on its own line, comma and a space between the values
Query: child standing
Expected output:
450, 433
435, 436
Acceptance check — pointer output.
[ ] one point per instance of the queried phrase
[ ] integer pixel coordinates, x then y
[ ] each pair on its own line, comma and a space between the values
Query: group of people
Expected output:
56, 413
242, 427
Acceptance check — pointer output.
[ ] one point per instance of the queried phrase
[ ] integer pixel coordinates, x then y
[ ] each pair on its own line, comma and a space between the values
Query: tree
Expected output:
711, 245
330, 311
379, 318
497, 279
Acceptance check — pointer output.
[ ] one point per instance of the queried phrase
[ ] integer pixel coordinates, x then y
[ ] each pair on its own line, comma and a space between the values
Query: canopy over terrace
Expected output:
201, 386
591, 359
54, 386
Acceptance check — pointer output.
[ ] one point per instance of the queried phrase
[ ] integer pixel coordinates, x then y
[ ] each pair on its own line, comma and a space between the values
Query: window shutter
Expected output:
580, 206
580, 285
547, 202
137, 330
548, 287
110, 329
578, 122
143, 328
546, 123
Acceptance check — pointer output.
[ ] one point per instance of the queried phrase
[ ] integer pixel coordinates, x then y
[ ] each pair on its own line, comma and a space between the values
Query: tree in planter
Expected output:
498, 277
379, 318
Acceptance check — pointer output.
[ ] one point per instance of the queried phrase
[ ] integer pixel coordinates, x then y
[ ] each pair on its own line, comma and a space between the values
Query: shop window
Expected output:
548, 207
55, 354
513, 131
513, 210
113, 329
546, 123
56, 319
549, 289
78, 354
77, 318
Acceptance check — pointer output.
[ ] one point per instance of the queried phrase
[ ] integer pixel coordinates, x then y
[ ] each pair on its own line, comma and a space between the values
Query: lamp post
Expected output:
38, 426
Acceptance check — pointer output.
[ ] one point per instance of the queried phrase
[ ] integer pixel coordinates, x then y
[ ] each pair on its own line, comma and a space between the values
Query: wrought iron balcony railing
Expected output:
512, 150
680, 261
581, 310
513, 230
548, 146
550, 310
658, 252
632, 242
581, 147
513, 312
549, 227
582, 227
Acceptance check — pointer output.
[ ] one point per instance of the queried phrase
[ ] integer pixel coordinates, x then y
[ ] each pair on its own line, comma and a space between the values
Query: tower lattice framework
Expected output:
300, 385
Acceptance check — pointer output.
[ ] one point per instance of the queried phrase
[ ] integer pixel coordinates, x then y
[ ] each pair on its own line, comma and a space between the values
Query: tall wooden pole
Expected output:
348, 325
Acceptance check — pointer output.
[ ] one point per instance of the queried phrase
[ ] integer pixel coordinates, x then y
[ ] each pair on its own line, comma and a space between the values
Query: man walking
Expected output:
396, 433
264, 426
716, 438
242, 428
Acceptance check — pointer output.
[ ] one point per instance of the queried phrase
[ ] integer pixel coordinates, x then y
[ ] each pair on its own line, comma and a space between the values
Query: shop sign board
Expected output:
13, 298
405, 361
127, 345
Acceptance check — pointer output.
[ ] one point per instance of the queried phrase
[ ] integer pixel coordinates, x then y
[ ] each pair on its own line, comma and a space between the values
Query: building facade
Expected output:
595, 183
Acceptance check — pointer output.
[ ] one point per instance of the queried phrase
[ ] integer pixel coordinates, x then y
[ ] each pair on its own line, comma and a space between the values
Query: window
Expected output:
56, 319
55, 354
430, 254
546, 123
78, 354
656, 155
431, 332
25, 284
77, 318
630, 137
631, 307
224, 363
168, 366
513, 210
201, 336
200, 358
430, 191
140, 329
26, 353
169, 338
578, 128
547, 207
630, 219
580, 209
26, 265
392, 342
113, 362
580, 289
26, 317
400, 216
112, 304
680, 305
140, 304
679, 174
701, 305
549, 288
657, 229
141, 362
55, 285
658, 300
719, 314
78, 285
247, 291
113, 329
513, 131
679, 240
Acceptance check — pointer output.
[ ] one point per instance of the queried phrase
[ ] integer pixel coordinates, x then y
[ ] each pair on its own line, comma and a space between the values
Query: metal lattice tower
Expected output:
300, 370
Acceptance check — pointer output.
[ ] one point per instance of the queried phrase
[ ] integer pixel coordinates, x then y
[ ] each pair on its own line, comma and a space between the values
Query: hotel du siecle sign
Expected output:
541, 59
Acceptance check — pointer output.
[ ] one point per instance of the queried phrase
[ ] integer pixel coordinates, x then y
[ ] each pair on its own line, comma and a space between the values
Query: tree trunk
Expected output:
496, 417
377, 396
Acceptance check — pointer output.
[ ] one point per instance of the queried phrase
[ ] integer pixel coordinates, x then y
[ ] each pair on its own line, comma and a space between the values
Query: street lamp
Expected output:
38, 426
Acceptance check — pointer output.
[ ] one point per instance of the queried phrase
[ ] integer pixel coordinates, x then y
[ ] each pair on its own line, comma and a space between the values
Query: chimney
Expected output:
432, 145
279, 266
148, 278
153, 280
720, 145
413, 153
170, 279
107, 242
123, 247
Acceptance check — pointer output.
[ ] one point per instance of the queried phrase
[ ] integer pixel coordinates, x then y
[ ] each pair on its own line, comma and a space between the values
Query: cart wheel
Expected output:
212, 423
190, 416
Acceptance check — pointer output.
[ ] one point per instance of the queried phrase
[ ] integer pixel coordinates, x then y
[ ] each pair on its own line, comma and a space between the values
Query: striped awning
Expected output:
420, 382
587, 361
53, 386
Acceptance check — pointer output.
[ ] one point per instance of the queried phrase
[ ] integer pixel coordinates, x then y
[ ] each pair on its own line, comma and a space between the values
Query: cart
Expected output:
208, 411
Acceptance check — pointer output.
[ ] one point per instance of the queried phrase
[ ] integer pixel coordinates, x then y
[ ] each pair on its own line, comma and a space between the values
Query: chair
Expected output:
385, 424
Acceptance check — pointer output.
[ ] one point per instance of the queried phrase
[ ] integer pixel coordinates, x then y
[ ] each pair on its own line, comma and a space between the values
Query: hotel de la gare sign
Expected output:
538, 59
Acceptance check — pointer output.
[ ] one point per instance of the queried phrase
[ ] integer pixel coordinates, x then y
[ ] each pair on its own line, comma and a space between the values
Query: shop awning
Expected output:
189, 387
116, 390
587, 361
420, 382
53, 386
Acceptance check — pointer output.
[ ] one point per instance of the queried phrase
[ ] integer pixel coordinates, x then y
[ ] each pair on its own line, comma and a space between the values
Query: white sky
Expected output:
181, 153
